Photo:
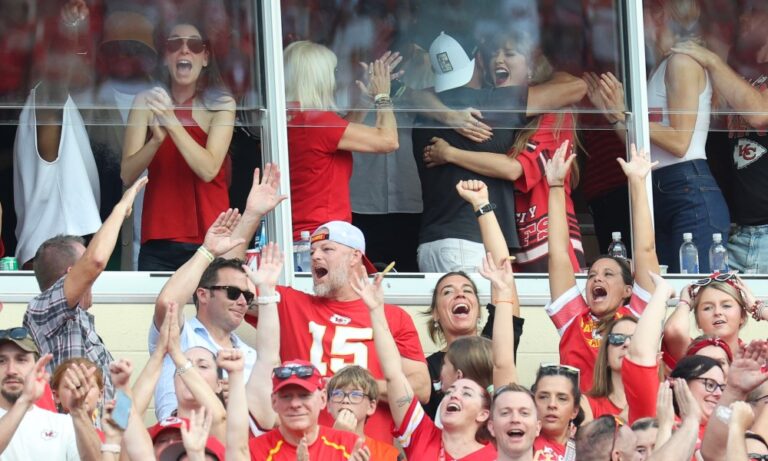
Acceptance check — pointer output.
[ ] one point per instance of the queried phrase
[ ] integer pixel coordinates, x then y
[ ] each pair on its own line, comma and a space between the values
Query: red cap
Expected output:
310, 383
167, 424
212, 447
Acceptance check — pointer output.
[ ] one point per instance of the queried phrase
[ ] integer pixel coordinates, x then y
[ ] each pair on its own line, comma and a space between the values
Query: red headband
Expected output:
702, 343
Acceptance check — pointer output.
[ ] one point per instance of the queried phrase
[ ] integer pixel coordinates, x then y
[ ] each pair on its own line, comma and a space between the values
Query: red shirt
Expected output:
331, 445
547, 450
602, 406
641, 384
320, 172
333, 334
423, 441
579, 339
532, 197
178, 204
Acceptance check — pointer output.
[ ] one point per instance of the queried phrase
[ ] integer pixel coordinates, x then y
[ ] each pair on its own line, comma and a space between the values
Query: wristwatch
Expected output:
487, 208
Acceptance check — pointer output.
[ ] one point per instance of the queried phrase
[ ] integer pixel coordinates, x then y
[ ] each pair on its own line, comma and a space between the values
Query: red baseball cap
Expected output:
212, 447
297, 372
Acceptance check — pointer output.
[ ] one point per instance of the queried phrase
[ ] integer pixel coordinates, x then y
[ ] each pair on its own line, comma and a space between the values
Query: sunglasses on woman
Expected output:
617, 339
727, 277
710, 385
233, 293
303, 372
549, 369
195, 44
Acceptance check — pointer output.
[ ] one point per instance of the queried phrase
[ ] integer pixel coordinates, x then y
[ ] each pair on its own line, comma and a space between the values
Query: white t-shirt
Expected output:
43, 435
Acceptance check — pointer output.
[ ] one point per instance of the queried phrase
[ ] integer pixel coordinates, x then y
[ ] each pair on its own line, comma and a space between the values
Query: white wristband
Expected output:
261, 300
110, 448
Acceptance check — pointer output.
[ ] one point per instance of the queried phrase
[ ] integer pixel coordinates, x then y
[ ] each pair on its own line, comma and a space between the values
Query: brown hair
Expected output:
211, 274
434, 328
54, 257
473, 356
354, 376
58, 373
513, 387
602, 385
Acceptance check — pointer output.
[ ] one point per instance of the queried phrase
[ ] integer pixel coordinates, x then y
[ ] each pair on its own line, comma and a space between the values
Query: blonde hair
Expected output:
726, 288
309, 75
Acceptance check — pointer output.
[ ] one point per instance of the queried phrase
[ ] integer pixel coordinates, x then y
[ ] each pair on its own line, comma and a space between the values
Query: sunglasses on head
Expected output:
548, 369
233, 293
727, 277
757, 457
195, 44
303, 371
617, 339
14, 333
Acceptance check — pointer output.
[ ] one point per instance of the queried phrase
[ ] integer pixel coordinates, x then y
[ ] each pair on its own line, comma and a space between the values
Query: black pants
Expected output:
610, 213
165, 255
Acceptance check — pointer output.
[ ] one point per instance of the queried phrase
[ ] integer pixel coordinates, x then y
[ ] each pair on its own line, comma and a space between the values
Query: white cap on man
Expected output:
451, 64
346, 234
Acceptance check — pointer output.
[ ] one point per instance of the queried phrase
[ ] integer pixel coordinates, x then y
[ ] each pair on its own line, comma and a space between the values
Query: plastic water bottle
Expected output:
617, 249
689, 255
301, 253
718, 255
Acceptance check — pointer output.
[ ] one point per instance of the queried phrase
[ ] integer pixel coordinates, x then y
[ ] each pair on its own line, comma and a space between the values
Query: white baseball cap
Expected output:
450, 63
346, 234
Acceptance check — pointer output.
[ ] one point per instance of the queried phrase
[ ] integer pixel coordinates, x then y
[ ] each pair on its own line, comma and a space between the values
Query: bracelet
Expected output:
110, 448
682, 301
262, 300
381, 96
556, 185
757, 310
204, 251
383, 103
185, 368
485, 209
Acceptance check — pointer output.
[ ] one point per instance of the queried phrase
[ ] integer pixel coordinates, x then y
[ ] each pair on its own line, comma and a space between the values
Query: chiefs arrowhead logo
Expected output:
340, 320
747, 152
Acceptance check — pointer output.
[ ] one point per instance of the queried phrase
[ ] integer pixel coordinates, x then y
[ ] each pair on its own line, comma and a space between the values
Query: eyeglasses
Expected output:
233, 293
761, 399
710, 385
617, 423
757, 457
195, 44
727, 277
548, 369
618, 339
355, 396
303, 372
14, 333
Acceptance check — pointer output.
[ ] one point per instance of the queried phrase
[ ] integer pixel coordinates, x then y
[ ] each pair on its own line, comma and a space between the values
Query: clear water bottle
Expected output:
689, 255
301, 253
617, 249
718, 255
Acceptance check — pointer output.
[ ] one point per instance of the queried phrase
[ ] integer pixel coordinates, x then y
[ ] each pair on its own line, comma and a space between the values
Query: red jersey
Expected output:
547, 450
602, 406
423, 441
579, 338
320, 172
331, 445
532, 197
334, 334
178, 204
641, 384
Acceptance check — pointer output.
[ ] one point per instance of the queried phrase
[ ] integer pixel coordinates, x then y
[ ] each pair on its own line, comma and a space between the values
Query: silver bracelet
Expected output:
185, 368
110, 448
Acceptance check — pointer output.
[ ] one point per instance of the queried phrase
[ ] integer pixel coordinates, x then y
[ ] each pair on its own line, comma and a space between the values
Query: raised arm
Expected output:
34, 386
183, 283
138, 152
232, 361
145, 384
267, 345
399, 391
94, 260
490, 164
644, 347
369, 86
475, 192
136, 443
79, 380
738, 93
643, 236
262, 198
677, 328
561, 275
563, 89
742, 417
683, 441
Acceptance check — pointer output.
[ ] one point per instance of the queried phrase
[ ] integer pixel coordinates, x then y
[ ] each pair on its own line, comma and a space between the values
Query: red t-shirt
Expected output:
320, 172
178, 204
334, 334
532, 198
641, 384
547, 450
422, 440
579, 340
331, 445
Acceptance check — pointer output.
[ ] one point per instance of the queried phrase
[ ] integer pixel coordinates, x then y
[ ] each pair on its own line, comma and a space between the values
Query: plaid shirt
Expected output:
66, 332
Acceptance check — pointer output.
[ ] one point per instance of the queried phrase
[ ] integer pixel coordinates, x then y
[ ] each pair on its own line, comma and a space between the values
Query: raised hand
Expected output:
391, 61
360, 452
593, 91
161, 105
612, 94
746, 372
129, 196
345, 420
230, 360
746, 293
174, 332
372, 294
661, 285
665, 410
120, 371
435, 153
501, 276
79, 379
36, 379
194, 435
473, 191
218, 239
639, 164
270, 266
263, 196
686, 402
558, 167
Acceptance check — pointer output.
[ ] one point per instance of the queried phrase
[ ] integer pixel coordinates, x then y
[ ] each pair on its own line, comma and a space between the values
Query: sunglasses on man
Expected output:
233, 293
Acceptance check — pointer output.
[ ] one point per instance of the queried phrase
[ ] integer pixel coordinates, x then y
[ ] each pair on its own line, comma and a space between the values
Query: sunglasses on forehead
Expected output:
233, 293
14, 333
195, 44
727, 277
548, 369
303, 372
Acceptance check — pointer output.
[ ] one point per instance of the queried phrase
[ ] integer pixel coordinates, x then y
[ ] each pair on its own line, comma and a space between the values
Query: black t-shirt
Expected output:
750, 169
446, 215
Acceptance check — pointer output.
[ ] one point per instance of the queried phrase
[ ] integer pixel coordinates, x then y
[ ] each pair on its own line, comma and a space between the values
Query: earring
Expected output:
436, 324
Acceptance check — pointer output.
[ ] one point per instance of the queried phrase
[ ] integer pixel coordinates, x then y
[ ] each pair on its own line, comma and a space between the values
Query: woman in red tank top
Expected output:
181, 137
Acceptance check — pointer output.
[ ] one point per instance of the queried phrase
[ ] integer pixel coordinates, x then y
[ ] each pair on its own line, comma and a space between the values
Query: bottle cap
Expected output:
687, 236
305, 235
616, 235
717, 237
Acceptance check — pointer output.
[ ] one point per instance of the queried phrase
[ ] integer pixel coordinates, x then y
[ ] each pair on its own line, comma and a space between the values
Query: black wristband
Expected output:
487, 208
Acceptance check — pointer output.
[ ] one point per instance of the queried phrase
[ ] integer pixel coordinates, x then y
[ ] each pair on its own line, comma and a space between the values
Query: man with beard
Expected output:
27, 431
746, 92
332, 328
